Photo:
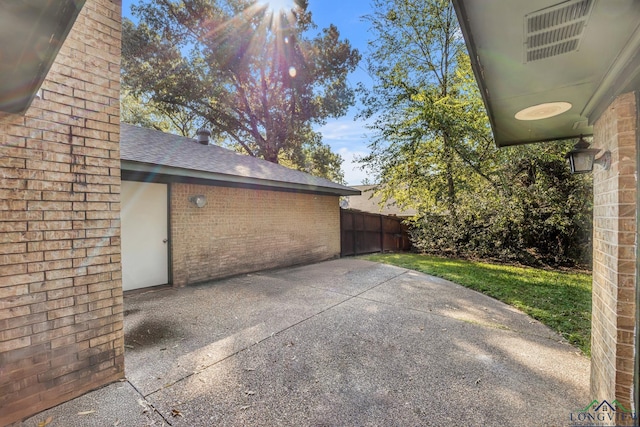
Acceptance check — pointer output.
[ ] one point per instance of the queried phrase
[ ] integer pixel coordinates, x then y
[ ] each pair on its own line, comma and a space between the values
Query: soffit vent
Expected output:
555, 30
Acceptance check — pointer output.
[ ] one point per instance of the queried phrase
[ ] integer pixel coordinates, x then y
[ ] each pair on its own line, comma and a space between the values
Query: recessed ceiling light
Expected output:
543, 111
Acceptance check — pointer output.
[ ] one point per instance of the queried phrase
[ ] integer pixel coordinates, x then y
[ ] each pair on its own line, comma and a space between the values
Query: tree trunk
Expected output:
451, 188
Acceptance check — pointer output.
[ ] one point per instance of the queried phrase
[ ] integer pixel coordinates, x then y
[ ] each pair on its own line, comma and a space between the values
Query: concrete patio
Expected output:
344, 342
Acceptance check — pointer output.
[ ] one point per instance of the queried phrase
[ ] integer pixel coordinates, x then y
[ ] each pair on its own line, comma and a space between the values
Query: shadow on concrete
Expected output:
345, 342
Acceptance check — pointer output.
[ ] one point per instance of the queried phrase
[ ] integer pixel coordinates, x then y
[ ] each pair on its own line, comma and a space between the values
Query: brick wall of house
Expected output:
243, 230
614, 254
60, 281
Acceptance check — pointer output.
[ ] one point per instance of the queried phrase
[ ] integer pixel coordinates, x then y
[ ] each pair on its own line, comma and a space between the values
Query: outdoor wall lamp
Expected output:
200, 201
581, 158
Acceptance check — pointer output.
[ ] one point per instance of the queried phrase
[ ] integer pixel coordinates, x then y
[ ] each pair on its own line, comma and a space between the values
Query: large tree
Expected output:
142, 111
431, 137
432, 149
252, 73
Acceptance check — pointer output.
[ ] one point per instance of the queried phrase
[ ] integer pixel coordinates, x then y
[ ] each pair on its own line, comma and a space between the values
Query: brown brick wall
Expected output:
243, 230
614, 254
60, 290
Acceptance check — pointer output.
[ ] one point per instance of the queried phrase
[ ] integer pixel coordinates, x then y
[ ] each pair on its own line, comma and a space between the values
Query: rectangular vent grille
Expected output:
553, 50
555, 30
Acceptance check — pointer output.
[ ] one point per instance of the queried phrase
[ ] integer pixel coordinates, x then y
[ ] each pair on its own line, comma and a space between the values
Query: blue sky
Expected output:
345, 136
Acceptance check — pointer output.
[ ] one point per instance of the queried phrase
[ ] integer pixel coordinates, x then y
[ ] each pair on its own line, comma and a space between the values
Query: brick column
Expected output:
614, 254
60, 280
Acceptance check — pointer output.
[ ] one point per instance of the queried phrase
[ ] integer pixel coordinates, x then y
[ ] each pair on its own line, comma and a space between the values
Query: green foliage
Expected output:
141, 111
431, 134
541, 215
250, 73
433, 151
315, 158
560, 300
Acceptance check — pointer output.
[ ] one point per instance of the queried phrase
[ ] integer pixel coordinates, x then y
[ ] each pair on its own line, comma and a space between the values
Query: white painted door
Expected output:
145, 254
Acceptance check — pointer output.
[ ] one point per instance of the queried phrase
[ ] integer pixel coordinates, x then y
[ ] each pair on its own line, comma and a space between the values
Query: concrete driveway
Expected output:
344, 342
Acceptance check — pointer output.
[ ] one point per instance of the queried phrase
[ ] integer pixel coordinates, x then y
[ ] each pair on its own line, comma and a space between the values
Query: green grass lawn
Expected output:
560, 300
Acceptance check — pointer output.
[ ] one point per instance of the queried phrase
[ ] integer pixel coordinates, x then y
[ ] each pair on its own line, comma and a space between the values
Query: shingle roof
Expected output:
186, 157
368, 202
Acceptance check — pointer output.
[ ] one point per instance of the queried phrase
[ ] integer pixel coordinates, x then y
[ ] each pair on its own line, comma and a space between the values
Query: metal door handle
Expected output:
164, 240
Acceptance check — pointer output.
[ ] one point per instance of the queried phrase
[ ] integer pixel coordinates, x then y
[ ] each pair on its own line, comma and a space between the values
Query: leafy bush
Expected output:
542, 217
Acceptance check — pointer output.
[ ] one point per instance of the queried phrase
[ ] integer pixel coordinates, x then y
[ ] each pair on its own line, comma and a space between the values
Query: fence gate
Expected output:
365, 233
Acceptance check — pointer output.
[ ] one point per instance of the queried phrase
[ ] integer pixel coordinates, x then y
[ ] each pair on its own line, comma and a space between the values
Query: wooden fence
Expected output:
365, 233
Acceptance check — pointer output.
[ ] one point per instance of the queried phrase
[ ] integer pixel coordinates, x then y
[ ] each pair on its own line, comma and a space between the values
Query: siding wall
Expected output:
60, 288
243, 230
614, 254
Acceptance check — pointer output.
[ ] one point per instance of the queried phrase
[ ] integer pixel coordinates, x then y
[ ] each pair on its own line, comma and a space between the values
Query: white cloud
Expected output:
349, 139
344, 130
352, 172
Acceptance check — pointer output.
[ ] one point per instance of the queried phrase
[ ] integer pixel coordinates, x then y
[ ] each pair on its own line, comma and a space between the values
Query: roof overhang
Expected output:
31, 34
531, 53
145, 171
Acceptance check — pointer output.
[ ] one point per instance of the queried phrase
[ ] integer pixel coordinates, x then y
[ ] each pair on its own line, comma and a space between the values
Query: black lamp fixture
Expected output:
581, 158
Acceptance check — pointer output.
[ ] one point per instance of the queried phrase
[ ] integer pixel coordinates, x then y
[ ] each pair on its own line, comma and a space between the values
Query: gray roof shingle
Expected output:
185, 155
370, 202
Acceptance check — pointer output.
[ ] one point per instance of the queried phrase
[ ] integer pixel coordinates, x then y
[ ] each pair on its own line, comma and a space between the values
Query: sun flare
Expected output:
278, 5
